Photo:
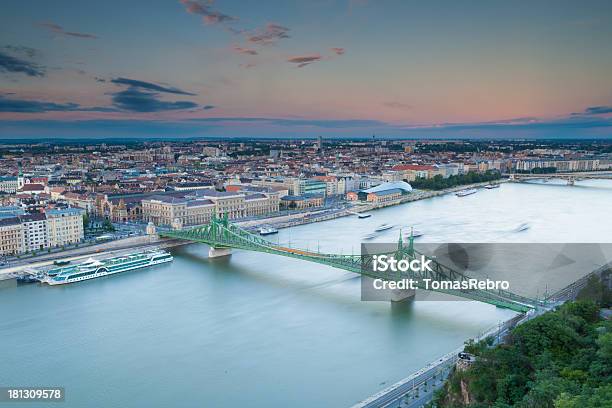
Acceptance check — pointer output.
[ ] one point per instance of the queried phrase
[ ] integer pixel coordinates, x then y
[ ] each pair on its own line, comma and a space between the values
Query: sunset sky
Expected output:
399, 68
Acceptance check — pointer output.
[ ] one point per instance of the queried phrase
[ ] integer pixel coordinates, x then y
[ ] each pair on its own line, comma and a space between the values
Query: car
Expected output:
464, 356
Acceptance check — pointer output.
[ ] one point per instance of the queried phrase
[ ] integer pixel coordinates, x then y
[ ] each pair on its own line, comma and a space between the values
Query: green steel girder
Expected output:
220, 233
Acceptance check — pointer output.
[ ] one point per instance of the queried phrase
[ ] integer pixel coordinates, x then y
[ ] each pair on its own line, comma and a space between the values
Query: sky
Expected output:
306, 68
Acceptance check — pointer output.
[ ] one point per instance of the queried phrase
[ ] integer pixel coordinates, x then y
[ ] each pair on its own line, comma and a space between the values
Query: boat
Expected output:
61, 262
383, 227
267, 231
492, 186
524, 226
93, 268
27, 278
464, 193
364, 215
369, 236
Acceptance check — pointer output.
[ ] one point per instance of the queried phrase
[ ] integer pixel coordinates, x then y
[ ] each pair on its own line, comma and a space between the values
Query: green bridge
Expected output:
222, 236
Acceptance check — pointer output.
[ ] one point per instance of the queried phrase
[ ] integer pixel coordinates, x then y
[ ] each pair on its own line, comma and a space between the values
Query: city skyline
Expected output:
302, 69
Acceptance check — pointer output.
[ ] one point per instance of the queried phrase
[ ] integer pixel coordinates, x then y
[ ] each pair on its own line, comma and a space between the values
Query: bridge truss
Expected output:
221, 234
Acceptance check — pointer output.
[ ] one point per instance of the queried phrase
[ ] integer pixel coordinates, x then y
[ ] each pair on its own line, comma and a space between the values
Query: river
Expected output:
259, 330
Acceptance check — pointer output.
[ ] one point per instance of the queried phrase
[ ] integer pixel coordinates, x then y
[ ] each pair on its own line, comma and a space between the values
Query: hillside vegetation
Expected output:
562, 359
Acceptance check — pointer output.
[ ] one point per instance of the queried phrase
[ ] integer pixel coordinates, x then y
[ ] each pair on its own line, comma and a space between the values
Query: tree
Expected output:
107, 225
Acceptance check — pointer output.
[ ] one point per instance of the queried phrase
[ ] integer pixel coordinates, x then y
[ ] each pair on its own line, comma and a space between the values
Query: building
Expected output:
11, 236
309, 186
10, 184
302, 202
383, 193
10, 211
168, 210
35, 233
193, 185
200, 206
331, 185
411, 172
80, 200
562, 165
65, 226
386, 196
32, 189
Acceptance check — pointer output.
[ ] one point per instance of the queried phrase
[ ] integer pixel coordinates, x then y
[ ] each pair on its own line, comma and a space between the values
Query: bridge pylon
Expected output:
219, 252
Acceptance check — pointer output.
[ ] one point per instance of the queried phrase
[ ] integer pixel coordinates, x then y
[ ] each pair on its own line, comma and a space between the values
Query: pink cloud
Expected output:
269, 34
204, 9
244, 50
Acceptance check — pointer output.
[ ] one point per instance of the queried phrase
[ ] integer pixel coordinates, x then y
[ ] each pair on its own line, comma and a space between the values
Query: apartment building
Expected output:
10, 184
65, 226
11, 236
562, 165
35, 234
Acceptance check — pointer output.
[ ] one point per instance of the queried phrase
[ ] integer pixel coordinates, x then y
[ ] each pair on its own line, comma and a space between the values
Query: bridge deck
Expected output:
222, 234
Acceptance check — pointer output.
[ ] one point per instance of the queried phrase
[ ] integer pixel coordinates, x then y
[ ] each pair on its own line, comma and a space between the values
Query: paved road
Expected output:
422, 383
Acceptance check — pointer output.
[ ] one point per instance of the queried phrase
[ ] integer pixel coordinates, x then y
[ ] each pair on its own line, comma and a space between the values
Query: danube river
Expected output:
258, 330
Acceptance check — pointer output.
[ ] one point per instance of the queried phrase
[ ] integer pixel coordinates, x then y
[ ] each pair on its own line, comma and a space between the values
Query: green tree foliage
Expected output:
439, 183
562, 359
107, 225
596, 291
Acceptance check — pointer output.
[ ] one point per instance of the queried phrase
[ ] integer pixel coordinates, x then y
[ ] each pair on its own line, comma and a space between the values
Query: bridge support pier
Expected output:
402, 295
219, 252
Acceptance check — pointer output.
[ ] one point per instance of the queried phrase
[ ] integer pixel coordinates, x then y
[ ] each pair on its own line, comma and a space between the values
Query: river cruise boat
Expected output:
93, 268
464, 193
268, 231
383, 227
364, 215
492, 186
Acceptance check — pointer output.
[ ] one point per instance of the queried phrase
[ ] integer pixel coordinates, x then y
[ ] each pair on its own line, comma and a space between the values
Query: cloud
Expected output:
59, 30
303, 60
20, 49
248, 65
396, 105
32, 106
141, 96
13, 64
136, 100
244, 50
149, 86
338, 50
204, 9
268, 35
598, 110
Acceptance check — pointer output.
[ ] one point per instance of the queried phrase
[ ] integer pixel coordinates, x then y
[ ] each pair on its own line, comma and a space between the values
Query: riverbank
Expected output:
293, 220
279, 222
117, 247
